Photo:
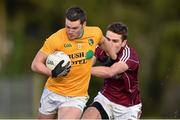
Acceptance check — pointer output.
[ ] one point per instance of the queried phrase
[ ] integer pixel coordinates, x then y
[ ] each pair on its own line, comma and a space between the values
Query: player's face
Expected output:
116, 40
74, 29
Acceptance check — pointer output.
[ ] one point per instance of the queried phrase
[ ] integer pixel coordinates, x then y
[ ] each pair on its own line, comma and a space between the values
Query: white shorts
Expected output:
116, 111
50, 102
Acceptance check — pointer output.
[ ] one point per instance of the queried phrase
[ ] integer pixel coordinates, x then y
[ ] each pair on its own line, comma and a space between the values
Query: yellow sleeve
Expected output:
98, 34
51, 44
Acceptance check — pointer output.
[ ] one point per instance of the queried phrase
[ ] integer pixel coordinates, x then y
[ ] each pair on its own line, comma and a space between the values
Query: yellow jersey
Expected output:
80, 51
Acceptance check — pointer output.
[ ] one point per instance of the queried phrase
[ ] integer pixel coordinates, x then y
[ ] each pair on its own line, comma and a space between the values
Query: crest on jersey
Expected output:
91, 42
79, 46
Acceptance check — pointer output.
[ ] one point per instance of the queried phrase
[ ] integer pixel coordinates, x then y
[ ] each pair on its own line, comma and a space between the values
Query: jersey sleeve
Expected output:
132, 64
100, 54
130, 58
51, 44
98, 34
97, 52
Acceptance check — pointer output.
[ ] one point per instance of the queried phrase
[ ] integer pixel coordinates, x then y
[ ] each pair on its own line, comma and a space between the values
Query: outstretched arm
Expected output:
108, 72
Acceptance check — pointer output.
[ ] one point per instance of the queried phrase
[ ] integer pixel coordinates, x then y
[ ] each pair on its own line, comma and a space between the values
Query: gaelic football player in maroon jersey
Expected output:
119, 97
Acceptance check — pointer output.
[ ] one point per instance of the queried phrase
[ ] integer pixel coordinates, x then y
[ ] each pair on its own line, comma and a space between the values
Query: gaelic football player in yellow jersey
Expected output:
66, 91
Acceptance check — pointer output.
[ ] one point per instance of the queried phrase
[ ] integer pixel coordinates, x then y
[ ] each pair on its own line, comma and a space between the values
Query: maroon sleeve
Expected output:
132, 64
99, 54
130, 57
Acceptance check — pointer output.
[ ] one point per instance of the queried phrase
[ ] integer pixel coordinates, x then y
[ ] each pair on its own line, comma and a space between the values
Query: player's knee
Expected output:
91, 113
99, 108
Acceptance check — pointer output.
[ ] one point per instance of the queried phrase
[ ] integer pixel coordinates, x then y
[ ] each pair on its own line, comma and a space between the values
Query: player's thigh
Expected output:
49, 104
91, 113
69, 113
72, 108
50, 116
103, 105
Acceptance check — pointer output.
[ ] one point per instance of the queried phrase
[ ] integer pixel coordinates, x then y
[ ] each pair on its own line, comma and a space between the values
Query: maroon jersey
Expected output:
123, 88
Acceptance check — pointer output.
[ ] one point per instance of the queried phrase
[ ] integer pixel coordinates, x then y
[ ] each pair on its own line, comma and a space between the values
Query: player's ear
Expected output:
124, 43
84, 24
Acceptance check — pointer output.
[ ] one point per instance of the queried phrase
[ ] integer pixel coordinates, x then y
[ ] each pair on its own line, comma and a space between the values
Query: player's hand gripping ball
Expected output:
59, 63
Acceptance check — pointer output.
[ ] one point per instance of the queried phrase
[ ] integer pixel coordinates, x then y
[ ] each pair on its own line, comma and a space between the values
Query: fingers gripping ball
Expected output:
60, 70
59, 63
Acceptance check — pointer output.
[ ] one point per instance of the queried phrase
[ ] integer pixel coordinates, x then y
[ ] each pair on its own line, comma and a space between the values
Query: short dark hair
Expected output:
76, 13
119, 28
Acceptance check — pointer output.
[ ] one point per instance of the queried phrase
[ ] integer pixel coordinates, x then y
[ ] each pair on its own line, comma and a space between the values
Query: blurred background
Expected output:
154, 30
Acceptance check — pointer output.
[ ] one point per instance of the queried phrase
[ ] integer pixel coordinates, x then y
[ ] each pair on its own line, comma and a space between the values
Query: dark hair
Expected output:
119, 28
76, 13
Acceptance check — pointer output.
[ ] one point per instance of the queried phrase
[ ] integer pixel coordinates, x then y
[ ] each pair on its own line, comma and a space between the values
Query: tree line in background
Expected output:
154, 30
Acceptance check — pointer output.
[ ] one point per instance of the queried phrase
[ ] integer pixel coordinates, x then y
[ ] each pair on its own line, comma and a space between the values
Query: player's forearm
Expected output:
101, 71
41, 69
38, 64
